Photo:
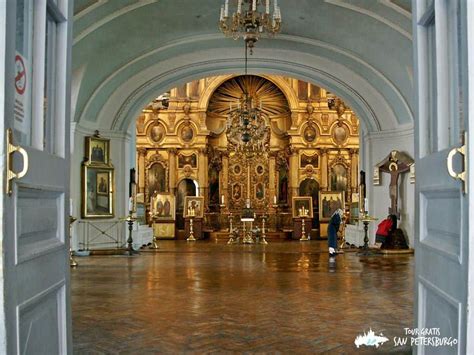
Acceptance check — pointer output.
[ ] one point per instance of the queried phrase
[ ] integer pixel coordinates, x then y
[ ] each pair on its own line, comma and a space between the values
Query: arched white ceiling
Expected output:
130, 51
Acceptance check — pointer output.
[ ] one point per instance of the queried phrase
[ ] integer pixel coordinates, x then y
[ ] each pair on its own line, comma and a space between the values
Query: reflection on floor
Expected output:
205, 297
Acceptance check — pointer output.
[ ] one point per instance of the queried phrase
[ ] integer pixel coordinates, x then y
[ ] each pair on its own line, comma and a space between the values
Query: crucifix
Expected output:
395, 164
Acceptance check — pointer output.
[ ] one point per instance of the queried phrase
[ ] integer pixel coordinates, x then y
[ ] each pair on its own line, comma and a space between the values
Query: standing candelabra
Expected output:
72, 261
366, 219
263, 241
191, 231
304, 237
130, 220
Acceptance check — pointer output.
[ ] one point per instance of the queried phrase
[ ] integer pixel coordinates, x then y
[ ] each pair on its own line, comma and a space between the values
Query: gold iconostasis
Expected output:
311, 142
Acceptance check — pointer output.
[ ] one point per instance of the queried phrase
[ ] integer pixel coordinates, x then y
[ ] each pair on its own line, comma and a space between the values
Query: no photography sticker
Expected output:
20, 76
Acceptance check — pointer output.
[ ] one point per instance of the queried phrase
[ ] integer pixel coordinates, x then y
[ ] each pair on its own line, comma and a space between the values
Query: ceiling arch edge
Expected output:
130, 101
122, 74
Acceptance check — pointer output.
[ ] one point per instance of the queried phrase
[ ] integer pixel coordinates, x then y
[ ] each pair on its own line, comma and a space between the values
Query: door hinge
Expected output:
9, 166
462, 175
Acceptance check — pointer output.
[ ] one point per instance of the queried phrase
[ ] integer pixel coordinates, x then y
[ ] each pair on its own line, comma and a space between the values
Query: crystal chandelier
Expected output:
247, 131
251, 20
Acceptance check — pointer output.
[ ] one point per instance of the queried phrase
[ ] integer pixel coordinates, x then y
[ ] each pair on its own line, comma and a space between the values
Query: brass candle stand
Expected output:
303, 213
72, 261
263, 241
191, 231
231, 231
366, 219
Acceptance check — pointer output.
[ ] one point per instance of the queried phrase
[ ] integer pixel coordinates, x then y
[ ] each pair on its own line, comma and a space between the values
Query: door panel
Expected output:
441, 243
35, 215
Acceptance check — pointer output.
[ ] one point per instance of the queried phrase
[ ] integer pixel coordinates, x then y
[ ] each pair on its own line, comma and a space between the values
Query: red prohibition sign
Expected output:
20, 76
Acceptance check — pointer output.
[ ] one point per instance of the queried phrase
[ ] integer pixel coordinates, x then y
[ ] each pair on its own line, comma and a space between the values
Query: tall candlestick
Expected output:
254, 5
274, 199
267, 7
276, 5
222, 13
366, 203
130, 204
71, 212
226, 9
239, 7
222, 200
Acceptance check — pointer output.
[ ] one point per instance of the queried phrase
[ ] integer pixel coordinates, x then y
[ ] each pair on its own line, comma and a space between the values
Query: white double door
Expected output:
35, 43
444, 65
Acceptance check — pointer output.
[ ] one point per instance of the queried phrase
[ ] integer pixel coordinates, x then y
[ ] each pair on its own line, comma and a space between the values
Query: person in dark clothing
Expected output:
333, 228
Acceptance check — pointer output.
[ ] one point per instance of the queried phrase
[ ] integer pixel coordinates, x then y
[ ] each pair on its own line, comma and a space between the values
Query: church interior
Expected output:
248, 176
209, 195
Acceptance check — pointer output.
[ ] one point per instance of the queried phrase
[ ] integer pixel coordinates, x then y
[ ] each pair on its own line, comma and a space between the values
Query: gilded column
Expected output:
354, 168
141, 169
324, 169
272, 178
172, 172
224, 178
202, 174
293, 183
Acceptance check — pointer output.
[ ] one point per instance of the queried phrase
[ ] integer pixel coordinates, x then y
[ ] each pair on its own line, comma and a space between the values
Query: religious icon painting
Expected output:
237, 169
311, 160
236, 192
163, 207
259, 191
310, 133
340, 134
102, 183
329, 202
302, 204
187, 133
194, 206
190, 160
259, 170
97, 150
97, 192
156, 132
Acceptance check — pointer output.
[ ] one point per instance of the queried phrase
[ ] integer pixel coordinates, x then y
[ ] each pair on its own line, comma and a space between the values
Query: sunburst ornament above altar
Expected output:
269, 98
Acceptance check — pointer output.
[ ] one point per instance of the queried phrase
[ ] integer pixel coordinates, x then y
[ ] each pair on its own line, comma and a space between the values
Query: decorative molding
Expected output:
371, 14
397, 8
111, 17
85, 11
194, 39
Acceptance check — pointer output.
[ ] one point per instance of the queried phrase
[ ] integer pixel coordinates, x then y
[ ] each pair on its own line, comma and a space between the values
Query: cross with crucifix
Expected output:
395, 164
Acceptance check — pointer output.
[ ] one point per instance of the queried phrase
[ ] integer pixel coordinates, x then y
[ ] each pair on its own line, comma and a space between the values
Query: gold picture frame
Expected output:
300, 202
163, 207
98, 193
195, 203
97, 150
329, 202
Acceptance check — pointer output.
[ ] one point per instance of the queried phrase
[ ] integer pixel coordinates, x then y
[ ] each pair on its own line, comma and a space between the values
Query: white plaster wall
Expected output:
376, 147
120, 157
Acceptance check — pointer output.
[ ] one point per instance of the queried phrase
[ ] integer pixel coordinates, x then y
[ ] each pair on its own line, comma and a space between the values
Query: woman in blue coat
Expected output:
333, 228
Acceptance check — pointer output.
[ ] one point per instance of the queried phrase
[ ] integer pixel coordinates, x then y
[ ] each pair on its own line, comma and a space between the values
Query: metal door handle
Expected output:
462, 175
10, 173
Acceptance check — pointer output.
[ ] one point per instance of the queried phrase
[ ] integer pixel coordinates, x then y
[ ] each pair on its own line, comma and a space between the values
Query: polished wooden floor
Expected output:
208, 297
